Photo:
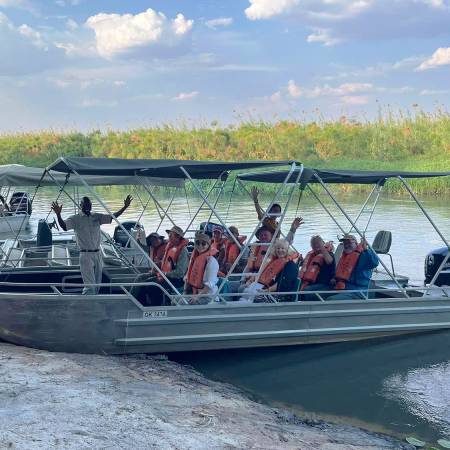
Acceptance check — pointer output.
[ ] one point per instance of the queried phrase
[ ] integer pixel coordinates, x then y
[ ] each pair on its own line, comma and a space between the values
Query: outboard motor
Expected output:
120, 237
432, 263
20, 203
44, 235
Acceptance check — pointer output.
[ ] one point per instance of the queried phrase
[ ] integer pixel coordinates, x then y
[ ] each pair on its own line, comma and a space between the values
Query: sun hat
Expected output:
176, 230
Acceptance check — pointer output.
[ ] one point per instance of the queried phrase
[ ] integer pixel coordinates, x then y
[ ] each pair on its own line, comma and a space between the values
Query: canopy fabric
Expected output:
164, 168
341, 176
18, 175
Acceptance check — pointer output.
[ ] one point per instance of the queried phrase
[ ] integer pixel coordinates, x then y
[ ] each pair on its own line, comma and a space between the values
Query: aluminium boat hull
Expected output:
117, 324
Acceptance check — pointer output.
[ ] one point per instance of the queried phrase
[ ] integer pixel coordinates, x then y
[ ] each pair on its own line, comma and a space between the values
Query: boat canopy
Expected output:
163, 168
18, 175
341, 176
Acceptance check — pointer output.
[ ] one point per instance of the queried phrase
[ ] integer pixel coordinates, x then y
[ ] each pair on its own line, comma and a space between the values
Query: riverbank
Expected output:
416, 141
71, 401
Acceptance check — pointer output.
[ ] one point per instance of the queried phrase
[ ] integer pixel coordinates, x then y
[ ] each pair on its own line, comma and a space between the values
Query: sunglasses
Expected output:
198, 243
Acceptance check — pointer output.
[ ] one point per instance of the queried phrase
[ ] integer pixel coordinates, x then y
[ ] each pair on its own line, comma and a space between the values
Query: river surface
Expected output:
399, 385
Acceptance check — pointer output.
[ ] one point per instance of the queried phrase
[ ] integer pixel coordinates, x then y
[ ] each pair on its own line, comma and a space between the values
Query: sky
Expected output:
99, 64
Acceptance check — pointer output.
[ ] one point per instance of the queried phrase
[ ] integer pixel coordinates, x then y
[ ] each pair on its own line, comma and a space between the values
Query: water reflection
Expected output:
401, 385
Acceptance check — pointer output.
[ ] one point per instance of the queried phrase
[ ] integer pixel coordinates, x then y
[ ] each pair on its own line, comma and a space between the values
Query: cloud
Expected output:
25, 50
293, 89
441, 57
336, 21
435, 92
323, 36
355, 99
265, 9
117, 34
184, 96
220, 22
34, 36
71, 24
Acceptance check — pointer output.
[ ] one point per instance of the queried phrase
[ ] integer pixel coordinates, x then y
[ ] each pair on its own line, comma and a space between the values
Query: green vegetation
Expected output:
418, 141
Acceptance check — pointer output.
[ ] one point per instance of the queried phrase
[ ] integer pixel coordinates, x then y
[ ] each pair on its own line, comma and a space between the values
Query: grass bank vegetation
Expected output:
419, 141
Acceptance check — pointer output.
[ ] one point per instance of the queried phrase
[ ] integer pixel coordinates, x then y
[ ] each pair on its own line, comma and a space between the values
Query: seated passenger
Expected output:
279, 272
318, 268
201, 277
232, 251
354, 269
3, 206
218, 243
174, 265
257, 253
156, 247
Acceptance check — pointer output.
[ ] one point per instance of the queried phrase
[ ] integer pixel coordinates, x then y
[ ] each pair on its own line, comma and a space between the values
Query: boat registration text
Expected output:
155, 314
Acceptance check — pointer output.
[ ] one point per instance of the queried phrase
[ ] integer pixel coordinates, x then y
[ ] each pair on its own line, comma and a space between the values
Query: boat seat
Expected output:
60, 256
382, 244
14, 257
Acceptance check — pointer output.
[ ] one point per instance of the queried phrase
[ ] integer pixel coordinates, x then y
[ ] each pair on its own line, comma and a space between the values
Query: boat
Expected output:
41, 306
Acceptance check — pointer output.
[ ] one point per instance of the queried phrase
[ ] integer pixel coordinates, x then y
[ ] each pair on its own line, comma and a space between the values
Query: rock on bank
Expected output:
71, 401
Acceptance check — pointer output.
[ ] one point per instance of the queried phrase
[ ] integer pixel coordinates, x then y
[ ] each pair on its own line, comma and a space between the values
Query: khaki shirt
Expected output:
87, 229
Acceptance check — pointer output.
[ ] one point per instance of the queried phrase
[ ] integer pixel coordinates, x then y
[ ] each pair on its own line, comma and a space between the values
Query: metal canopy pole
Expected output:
204, 198
152, 264
359, 232
325, 208
260, 221
122, 257
419, 204
210, 206
157, 204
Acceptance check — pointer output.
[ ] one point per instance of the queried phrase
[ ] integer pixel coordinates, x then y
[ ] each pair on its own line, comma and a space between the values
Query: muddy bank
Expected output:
67, 401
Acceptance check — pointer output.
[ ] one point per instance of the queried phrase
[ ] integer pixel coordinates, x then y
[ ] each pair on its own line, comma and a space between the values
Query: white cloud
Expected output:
293, 89
184, 96
323, 36
34, 36
116, 34
355, 99
220, 22
335, 21
441, 57
435, 92
265, 9
71, 24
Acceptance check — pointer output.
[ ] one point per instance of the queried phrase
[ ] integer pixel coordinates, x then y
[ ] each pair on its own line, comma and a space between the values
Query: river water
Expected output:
399, 385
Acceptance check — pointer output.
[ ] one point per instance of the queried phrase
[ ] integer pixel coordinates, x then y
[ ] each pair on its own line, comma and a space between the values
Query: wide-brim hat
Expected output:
177, 230
202, 235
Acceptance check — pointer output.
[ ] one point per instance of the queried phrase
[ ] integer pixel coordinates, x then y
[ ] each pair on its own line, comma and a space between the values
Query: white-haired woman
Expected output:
278, 274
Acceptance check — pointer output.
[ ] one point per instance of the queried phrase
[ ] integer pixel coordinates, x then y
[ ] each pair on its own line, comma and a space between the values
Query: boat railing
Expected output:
183, 299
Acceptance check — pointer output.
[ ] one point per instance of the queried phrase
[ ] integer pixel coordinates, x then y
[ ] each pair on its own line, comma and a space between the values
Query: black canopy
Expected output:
336, 176
162, 168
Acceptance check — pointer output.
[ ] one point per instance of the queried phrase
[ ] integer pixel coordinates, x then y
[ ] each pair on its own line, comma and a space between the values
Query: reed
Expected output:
403, 141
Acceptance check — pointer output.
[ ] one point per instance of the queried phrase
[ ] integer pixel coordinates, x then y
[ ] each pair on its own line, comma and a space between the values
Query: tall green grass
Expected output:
416, 141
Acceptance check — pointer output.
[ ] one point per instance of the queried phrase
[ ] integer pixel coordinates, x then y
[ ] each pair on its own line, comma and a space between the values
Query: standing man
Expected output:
87, 230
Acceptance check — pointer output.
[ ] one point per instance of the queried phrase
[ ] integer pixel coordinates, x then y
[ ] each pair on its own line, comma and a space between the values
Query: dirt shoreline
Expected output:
72, 401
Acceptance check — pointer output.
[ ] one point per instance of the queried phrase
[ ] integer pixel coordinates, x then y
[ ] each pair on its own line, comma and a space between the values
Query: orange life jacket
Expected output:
272, 269
157, 254
346, 265
257, 253
171, 255
311, 267
196, 270
232, 250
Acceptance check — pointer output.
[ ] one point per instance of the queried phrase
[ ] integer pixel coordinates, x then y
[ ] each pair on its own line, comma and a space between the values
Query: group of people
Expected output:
271, 265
